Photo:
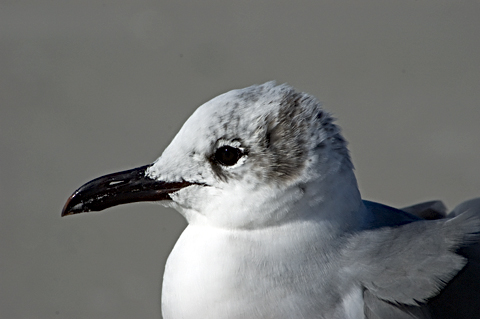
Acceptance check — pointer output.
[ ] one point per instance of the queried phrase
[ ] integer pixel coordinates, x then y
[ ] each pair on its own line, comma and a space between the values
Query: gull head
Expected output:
250, 158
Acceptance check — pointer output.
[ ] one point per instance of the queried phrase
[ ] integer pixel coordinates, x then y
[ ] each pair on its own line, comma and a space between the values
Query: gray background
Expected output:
92, 87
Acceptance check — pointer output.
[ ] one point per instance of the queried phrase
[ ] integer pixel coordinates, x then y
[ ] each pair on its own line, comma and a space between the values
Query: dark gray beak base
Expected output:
120, 188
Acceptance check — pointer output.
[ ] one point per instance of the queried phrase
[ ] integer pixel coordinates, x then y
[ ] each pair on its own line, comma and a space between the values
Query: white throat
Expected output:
210, 266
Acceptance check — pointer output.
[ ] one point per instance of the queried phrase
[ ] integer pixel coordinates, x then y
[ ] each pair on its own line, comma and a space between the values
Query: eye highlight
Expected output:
228, 155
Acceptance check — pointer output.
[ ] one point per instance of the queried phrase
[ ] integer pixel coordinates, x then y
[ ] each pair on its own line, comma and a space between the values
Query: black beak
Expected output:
120, 188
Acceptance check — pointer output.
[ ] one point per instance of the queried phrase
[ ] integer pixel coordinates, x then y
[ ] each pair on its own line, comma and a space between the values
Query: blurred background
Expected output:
93, 87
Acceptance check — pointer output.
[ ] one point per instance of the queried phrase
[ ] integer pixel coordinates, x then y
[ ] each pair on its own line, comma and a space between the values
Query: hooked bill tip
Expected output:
70, 208
67, 210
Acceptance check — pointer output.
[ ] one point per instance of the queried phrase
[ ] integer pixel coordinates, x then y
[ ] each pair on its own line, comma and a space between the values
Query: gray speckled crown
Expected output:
282, 129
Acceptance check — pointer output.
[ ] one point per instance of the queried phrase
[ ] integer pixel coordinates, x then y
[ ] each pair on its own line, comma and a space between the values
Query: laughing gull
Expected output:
277, 227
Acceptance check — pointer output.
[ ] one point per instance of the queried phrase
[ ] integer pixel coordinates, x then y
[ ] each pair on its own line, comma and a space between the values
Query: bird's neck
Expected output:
334, 200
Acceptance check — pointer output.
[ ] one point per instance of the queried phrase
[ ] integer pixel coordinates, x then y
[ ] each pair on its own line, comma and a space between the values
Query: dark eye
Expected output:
227, 155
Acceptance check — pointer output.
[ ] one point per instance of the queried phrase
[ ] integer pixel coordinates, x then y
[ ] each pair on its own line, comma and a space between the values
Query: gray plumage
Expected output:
429, 268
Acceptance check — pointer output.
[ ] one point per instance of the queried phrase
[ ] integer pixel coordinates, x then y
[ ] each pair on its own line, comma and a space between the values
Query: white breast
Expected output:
216, 273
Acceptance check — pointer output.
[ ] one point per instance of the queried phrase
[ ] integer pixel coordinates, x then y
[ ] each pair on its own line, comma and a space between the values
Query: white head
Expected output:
250, 158
255, 152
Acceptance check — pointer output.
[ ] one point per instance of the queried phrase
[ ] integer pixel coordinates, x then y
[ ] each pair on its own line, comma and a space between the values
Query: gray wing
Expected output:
403, 268
461, 297
376, 308
434, 209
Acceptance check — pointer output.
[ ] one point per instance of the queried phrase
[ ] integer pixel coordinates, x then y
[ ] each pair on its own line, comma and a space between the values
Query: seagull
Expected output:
277, 227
